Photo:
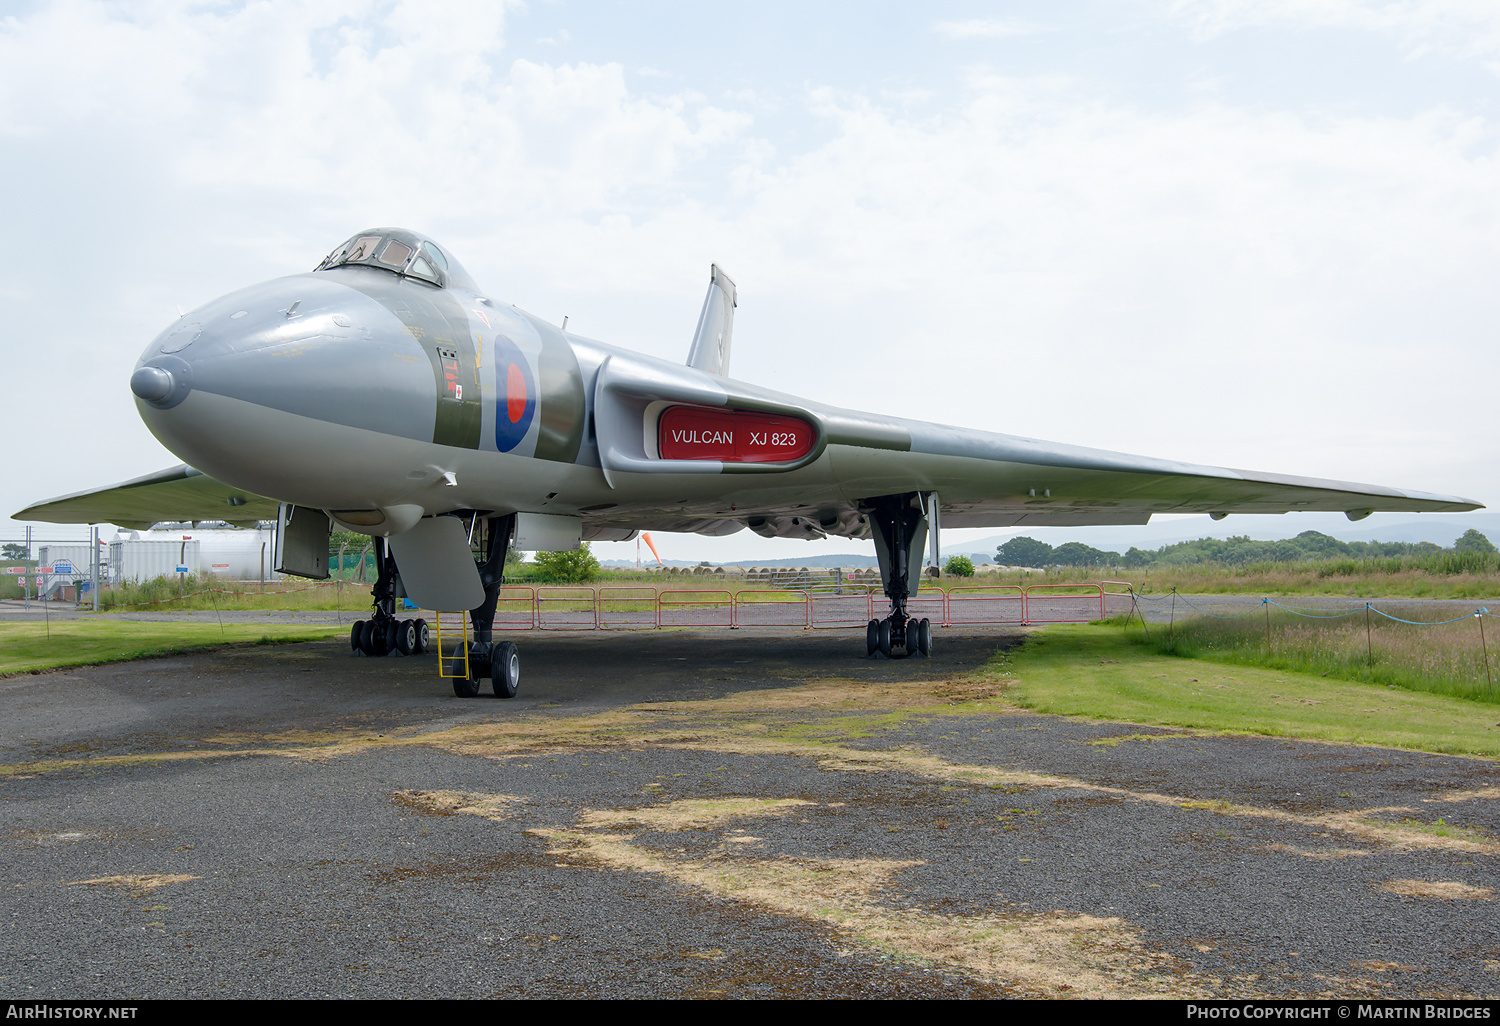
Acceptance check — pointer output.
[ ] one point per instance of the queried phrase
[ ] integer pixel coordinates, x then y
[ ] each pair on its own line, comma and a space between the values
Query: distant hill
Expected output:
1439, 528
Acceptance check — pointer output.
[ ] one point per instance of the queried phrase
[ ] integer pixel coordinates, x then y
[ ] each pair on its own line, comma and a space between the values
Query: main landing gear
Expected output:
384, 636
383, 633
914, 637
900, 524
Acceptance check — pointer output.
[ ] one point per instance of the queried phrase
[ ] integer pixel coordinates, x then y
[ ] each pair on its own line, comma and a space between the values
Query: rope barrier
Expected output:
1335, 615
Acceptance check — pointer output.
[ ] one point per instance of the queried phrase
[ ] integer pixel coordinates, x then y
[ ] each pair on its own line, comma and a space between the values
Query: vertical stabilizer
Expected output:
710, 351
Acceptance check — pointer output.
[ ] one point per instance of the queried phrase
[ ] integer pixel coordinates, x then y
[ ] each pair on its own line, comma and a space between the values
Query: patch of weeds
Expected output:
1438, 828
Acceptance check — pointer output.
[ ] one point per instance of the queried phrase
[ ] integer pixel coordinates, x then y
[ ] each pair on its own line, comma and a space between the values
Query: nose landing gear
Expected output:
497, 660
476, 658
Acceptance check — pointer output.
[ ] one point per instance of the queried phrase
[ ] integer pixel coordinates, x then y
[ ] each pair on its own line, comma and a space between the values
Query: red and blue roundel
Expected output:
515, 391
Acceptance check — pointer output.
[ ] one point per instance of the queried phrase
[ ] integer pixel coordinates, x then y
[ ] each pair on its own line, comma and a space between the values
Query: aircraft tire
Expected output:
913, 637
356, 635
505, 669
406, 637
463, 687
872, 638
391, 636
368, 640
924, 637
884, 638
423, 638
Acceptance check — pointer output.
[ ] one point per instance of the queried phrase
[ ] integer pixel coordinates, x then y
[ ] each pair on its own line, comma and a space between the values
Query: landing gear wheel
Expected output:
422, 636
391, 637
406, 637
872, 638
464, 686
368, 639
505, 669
379, 636
883, 638
913, 636
356, 633
924, 637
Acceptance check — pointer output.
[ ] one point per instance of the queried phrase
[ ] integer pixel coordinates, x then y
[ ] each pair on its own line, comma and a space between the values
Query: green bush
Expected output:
573, 567
959, 566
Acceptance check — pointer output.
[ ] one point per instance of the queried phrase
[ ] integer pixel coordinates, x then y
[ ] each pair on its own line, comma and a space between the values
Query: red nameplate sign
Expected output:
732, 436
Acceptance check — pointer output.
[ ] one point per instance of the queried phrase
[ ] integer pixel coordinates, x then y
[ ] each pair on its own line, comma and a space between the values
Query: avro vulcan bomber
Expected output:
384, 393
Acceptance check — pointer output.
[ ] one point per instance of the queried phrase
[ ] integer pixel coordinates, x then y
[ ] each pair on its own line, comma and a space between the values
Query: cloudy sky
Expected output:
1249, 233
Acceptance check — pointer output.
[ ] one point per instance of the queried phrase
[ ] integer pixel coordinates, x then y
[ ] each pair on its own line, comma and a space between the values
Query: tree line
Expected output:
1239, 551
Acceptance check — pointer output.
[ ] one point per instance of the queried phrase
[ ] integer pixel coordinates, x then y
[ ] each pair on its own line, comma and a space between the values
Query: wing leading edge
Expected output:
990, 480
177, 493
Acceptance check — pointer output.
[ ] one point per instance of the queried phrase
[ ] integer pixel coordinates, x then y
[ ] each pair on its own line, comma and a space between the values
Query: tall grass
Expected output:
1461, 575
1446, 659
206, 591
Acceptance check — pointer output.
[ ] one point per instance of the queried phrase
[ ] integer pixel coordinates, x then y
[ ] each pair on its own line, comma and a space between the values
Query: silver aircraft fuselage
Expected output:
386, 389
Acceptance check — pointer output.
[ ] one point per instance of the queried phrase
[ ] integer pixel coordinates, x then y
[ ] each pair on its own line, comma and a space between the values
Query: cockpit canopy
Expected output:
403, 253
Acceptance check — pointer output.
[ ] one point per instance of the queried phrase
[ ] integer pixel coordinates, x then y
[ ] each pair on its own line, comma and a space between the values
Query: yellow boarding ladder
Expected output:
462, 630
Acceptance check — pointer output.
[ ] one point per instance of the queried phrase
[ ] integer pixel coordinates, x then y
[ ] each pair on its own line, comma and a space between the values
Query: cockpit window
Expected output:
396, 251
362, 248
420, 268
395, 254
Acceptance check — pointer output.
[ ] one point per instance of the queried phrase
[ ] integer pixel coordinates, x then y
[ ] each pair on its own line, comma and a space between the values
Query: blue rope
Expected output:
1481, 611
1313, 616
1203, 612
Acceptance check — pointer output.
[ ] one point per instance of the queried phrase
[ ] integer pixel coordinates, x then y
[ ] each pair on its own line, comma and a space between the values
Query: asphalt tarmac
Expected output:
707, 814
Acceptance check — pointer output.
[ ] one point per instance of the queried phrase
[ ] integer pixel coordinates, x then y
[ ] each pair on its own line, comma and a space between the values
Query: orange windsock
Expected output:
652, 546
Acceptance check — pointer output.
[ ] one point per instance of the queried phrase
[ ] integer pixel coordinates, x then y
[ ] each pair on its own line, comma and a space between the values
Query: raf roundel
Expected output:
515, 394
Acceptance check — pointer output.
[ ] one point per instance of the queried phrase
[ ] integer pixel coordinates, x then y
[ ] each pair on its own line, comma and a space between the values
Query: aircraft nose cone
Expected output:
152, 384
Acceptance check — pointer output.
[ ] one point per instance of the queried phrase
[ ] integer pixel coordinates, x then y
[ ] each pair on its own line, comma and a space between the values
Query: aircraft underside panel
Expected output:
437, 567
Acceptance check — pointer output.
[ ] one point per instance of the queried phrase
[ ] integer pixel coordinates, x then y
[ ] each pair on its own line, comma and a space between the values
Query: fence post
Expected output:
1479, 615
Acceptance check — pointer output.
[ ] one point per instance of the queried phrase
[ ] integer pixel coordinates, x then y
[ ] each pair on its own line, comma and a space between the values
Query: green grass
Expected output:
1427, 655
207, 592
29, 647
1373, 578
1098, 672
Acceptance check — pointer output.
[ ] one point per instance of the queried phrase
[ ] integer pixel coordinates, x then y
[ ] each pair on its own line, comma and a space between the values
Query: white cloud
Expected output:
987, 28
1223, 284
1466, 28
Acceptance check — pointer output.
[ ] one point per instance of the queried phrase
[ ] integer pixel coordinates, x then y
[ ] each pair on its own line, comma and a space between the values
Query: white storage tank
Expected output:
236, 555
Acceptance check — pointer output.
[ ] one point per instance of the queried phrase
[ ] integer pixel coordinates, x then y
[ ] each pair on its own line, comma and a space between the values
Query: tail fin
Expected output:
710, 351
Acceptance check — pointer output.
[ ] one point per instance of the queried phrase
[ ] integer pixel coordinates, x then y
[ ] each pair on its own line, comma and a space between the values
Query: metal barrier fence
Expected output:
626, 607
